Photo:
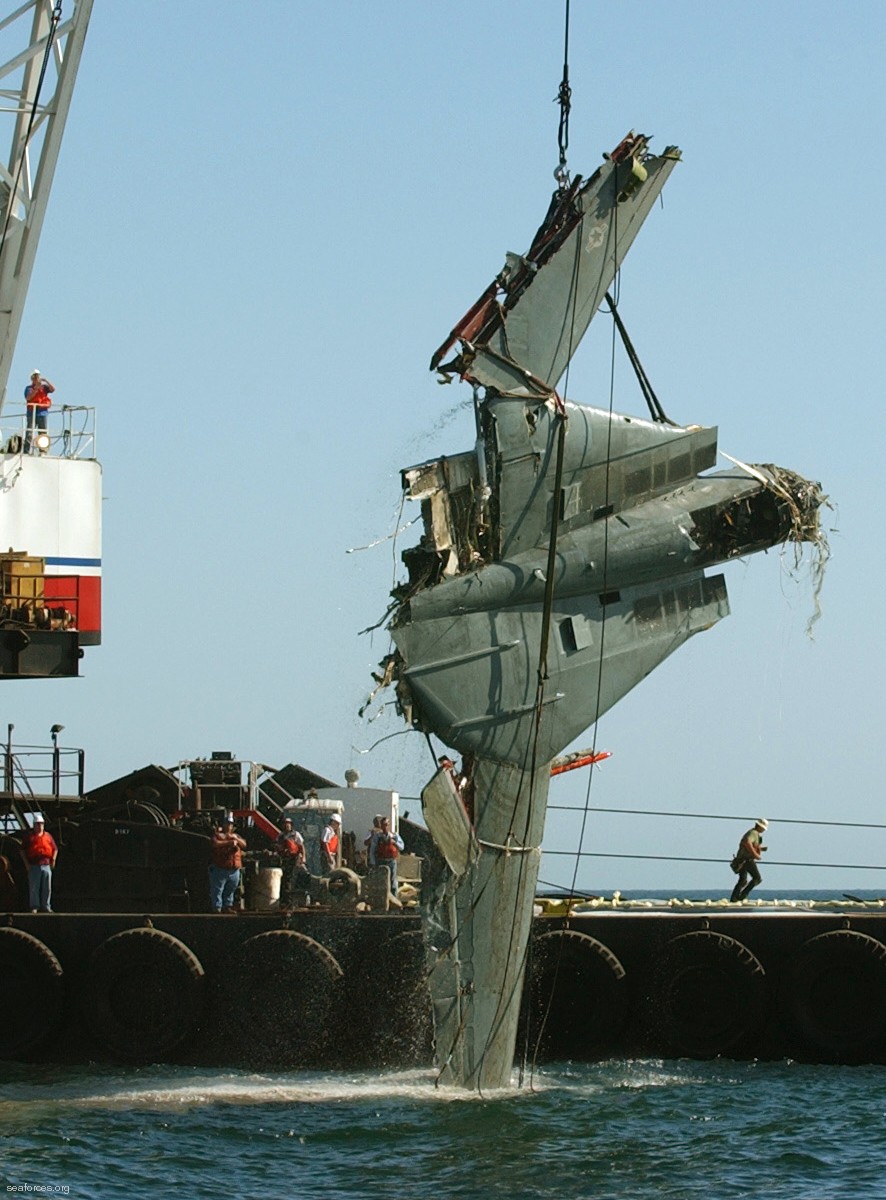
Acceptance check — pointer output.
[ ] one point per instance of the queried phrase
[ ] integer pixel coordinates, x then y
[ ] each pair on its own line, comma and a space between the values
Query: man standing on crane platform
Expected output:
37, 399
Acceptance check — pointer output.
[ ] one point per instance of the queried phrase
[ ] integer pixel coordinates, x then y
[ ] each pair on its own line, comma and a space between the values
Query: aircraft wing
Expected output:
522, 332
473, 680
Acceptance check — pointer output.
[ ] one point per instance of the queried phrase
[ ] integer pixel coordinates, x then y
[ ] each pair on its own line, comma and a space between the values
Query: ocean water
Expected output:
621, 1130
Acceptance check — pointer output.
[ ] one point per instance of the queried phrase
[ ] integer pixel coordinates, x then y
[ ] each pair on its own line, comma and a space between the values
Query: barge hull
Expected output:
327, 990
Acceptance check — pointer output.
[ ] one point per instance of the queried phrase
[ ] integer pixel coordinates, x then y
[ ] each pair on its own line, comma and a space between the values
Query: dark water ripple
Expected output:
613, 1131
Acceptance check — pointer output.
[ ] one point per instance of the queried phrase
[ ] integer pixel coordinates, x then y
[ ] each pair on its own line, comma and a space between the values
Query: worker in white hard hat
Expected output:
37, 402
39, 852
750, 849
331, 843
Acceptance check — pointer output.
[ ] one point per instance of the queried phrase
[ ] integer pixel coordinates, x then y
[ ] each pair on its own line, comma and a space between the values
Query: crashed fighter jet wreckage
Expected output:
563, 558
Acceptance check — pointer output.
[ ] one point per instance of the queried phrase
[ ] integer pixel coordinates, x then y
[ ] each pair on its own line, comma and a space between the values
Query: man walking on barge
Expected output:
744, 864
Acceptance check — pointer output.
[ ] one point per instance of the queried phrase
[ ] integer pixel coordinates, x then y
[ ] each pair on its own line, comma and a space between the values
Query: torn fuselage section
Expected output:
785, 508
455, 525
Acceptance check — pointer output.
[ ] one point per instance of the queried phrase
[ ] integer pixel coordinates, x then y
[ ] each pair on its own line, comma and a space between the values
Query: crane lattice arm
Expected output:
40, 43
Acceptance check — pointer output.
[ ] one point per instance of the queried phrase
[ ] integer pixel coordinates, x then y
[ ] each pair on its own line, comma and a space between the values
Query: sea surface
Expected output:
617, 1130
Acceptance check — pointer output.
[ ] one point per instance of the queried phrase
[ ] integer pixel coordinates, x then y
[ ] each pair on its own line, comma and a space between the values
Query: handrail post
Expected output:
7, 761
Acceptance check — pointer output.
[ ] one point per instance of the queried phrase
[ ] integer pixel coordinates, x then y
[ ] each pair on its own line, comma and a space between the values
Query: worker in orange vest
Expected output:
226, 851
384, 850
38, 403
331, 841
39, 852
291, 849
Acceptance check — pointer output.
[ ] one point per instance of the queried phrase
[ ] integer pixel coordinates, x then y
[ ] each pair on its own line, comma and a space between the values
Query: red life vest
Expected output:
290, 846
331, 844
386, 847
38, 397
39, 848
226, 854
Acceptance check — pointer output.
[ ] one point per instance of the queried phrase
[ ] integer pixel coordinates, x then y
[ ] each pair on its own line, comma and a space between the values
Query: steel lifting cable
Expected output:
651, 812
564, 99
770, 862
652, 402
13, 191
645, 812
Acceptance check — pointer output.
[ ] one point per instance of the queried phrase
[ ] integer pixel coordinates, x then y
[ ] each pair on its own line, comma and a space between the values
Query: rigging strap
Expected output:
652, 401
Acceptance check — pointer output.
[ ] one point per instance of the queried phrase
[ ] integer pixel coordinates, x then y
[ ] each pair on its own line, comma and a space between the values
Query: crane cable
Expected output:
564, 99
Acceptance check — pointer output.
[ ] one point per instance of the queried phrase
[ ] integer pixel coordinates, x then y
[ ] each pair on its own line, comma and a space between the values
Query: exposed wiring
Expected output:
386, 538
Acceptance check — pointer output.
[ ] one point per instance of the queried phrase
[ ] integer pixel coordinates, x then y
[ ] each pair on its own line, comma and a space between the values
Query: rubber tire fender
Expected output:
144, 993
281, 994
836, 994
30, 992
576, 995
710, 994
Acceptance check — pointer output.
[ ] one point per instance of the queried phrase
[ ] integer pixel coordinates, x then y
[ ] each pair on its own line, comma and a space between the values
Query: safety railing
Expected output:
50, 602
35, 773
69, 433
230, 784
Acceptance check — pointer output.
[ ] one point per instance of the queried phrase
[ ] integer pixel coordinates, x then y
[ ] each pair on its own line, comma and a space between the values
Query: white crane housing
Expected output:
50, 479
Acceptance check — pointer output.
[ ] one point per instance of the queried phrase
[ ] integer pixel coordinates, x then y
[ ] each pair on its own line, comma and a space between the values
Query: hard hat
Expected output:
33, 373
336, 817
229, 819
37, 819
762, 822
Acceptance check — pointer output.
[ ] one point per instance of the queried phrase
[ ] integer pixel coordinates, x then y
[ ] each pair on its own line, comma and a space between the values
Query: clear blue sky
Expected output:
267, 216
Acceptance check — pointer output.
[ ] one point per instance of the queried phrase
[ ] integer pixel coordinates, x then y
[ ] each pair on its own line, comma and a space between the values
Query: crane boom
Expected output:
36, 85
